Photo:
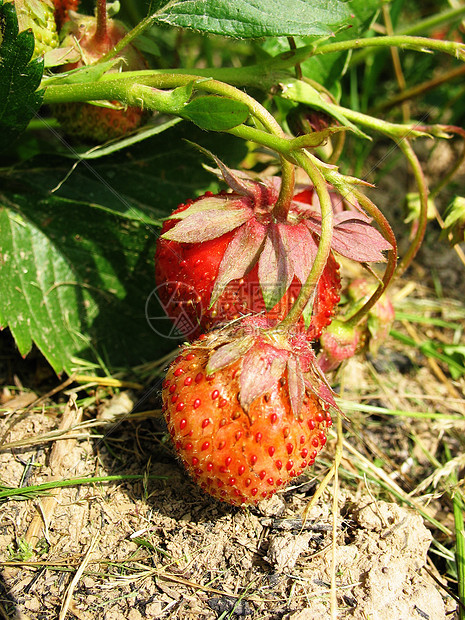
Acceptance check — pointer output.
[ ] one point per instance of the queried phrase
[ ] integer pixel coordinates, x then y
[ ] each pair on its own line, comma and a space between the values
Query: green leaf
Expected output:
19, 78
327, 69
216, 113
81, 75
77, 264
75, 282
256, 18
302, 92
457, 354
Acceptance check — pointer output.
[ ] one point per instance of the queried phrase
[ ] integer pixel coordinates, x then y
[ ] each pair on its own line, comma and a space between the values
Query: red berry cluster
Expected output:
246, 404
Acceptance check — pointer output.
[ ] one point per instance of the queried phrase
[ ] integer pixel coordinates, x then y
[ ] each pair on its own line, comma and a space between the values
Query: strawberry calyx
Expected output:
266, 355
92, 37
283, 249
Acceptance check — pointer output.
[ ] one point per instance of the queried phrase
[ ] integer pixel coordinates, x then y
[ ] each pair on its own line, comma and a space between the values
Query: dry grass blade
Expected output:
78, 431
69, 591
334, 611
71, 416
380, 475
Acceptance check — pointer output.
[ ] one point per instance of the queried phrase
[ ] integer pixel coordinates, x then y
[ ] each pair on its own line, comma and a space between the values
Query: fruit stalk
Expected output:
150, 95
143, 25
324, 247
409, 153
390, 270
101, 31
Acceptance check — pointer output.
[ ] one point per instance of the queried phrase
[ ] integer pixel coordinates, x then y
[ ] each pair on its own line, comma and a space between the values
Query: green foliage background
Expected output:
78, 225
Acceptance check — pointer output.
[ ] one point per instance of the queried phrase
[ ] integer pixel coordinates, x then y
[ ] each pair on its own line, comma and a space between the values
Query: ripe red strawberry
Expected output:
223, 256
186, 274
246, 413
92, 38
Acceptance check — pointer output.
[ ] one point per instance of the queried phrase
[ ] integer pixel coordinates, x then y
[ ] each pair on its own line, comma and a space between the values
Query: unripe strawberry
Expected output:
380, 317
93, 37
39, 16
342, 340
338, 342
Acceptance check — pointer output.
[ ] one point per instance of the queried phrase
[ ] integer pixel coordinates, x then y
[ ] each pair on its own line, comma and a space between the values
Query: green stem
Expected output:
286, 190
334, 178
307, 162
258, 76
392, 130
145, 24
419, 27
409, 153
150, 95
419, 44
459, 511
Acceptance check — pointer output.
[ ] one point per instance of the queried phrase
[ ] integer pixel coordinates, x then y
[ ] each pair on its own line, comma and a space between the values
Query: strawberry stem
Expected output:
101, 30
420, 44
409, 153
286, 191
307, 162
388, 234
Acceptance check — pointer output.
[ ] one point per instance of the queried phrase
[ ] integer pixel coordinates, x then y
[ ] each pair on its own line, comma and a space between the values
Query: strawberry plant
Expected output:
86, 214
205, 171
83, 201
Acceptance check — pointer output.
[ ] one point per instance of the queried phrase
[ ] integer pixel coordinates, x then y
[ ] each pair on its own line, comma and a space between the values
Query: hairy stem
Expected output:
307, 162
101, 30
419, 44
409, 153
286, 191
419, 27
143, 25
334, 178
